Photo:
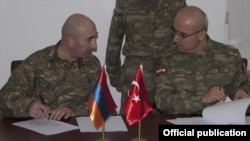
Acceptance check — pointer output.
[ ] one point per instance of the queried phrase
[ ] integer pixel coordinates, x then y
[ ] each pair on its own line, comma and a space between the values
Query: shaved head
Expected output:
194, 17
79, 36
192, 22
76, 24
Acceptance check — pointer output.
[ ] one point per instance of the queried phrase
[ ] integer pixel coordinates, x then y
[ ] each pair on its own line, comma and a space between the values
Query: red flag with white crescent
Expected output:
137, 105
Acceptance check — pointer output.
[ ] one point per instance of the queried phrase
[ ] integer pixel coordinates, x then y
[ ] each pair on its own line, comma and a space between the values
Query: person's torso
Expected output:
61, 81
196, 73
147, 27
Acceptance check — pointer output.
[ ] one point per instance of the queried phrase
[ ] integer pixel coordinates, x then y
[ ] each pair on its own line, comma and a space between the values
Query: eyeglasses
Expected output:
173, 32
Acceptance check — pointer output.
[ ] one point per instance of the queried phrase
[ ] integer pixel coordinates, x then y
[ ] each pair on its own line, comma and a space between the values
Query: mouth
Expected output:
89, 52
177, 45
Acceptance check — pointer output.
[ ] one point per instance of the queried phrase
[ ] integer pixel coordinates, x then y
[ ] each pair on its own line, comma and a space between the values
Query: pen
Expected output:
221, 89
42, 100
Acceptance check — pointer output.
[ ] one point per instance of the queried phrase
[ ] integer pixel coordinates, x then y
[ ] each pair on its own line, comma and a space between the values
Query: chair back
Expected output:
244, 65
15, 64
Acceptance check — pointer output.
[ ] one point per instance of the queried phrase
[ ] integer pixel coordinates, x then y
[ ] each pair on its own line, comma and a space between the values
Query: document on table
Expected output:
45, 126
229, 112
113, 124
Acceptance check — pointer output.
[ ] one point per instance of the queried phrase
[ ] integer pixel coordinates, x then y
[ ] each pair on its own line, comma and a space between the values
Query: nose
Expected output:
177, 38
93, 44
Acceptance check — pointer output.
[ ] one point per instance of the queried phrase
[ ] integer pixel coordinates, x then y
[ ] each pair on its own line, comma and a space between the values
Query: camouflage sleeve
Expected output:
114, 46
14, 96
178, 5
169, 101
239, 81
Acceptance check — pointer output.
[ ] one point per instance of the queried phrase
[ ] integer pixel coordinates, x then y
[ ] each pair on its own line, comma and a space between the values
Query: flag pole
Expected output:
103, 131
139, 130
103, 135
139, 134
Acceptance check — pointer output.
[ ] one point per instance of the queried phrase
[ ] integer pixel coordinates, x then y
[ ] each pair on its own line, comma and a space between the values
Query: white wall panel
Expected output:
29, 25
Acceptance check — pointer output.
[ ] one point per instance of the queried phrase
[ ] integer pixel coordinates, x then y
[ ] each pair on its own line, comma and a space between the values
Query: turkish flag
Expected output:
137, 105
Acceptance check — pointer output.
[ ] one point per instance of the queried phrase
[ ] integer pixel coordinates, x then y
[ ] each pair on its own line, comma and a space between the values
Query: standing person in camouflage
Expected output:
144, 27
58, 79
200, 71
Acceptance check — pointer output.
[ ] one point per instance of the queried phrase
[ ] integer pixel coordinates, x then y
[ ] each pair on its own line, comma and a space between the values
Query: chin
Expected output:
84, 55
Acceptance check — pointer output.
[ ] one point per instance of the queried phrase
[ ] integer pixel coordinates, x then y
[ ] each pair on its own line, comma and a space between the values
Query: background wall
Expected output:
238, 28
29, 25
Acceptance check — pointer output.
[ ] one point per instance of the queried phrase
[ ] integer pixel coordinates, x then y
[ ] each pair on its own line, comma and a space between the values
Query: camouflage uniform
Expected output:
188, 76
61, 82
144, 24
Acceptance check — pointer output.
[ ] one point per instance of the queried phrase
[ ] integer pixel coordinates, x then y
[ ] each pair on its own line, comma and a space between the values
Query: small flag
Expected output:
137, 105
101, 104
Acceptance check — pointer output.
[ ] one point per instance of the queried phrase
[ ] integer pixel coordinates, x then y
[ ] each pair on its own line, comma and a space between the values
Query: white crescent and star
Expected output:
136, 98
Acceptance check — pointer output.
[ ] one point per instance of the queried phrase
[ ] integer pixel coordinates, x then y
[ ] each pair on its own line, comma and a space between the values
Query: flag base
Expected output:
139, 139
103, 139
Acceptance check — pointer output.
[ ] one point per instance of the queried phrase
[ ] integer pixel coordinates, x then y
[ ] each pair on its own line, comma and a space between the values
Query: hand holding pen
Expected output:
214, 94
45, 109
38, 109
223, 94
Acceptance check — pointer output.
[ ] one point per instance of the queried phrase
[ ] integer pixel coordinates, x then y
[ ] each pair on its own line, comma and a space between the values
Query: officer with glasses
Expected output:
199, 71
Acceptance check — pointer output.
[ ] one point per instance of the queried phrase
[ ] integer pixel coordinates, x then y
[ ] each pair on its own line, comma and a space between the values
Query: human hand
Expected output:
240, 94
38, 110
213, 95
61, 112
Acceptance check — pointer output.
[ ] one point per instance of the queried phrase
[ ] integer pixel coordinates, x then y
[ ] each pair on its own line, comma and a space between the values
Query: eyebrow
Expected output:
91, 37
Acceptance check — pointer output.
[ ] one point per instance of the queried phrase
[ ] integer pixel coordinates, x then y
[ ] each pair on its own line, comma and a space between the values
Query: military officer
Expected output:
58, 79
200, 71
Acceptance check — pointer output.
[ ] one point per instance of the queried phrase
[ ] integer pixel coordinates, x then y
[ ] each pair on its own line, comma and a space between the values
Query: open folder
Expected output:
229, 112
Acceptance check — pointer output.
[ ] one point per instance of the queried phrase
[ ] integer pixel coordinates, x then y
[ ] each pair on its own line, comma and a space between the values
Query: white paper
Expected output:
197, 121
113, 124
189, 121
230, 112
45, 126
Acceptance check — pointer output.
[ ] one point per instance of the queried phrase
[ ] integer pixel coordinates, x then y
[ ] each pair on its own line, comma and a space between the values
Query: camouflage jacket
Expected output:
61, 82
145, 27
183, 78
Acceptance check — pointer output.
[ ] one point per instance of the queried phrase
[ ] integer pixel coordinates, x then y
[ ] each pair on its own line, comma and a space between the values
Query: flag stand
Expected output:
103, 135
139, 134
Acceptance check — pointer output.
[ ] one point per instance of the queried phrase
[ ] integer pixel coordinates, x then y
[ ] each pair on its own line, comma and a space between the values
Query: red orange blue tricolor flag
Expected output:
101, 104
137, 105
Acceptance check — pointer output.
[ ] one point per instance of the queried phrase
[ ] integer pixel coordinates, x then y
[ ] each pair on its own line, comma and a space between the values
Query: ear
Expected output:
202, 35
71, 41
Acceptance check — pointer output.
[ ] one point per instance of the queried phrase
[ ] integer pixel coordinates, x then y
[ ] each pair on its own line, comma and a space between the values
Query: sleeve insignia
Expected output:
161, 70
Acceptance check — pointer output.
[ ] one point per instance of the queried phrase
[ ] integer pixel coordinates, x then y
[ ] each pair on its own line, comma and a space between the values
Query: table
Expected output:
149, 130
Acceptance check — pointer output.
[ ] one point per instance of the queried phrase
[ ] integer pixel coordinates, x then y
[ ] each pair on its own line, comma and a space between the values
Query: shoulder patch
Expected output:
161, 70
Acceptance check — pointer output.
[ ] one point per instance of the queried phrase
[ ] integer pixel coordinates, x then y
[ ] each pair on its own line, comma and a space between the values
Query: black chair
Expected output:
244, 65
15, 64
